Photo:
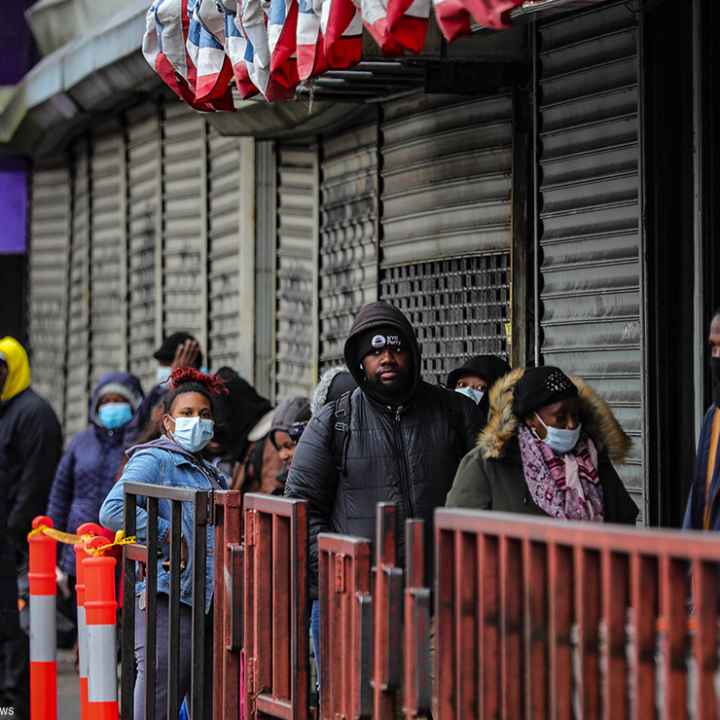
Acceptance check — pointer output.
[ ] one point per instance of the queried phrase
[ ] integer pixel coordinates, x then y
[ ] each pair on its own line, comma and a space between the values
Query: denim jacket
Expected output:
162, 462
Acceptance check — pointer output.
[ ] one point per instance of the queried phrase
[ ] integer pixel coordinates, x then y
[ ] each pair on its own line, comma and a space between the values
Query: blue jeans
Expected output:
315, 633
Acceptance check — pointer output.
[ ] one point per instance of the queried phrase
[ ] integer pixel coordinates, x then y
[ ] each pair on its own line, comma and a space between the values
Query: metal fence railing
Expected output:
148, 556
276, 608
527, 617
345, 627
539, 618
227, 604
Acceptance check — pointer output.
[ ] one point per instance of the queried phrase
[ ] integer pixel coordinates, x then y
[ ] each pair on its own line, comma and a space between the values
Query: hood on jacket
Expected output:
490, 367
16, 359
598, 420
377, 314
292, 410
333, 383
120, 383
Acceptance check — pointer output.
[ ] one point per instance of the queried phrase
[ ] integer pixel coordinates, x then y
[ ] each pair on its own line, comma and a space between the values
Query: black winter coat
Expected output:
30, 448
407, 455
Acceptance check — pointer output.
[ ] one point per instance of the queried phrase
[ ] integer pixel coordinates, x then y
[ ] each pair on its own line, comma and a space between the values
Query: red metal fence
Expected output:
228, 595
276, 609
345, 627
530, 617
544, 619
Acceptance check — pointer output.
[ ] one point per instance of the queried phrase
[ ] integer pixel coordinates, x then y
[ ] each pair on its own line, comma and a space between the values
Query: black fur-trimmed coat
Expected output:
490, 477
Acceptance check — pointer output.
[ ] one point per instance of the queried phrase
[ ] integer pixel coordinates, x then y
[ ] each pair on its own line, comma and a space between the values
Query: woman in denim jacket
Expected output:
174, 460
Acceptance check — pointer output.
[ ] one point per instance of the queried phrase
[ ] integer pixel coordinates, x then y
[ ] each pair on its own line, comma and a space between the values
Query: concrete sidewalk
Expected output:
68, 686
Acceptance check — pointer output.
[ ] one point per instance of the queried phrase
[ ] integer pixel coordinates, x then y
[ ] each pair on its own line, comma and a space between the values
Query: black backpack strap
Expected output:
341, 431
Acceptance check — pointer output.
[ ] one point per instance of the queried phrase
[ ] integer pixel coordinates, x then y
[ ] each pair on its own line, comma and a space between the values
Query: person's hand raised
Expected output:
186, 355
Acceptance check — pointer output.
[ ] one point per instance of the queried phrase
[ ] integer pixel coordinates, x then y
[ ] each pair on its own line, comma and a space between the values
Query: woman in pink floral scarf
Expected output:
547, 449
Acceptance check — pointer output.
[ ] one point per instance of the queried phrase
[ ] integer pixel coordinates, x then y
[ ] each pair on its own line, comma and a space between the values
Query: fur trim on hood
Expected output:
597, 418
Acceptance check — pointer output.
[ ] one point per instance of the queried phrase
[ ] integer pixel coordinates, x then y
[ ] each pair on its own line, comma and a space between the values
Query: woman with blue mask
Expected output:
87, 469
175, 459
475, 377
547, 449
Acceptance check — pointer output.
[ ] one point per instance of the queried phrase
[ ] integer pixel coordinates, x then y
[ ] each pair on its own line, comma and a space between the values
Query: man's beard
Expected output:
393, 390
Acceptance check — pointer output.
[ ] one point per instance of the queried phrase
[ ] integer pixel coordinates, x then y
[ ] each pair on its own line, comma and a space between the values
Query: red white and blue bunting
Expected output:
271, 46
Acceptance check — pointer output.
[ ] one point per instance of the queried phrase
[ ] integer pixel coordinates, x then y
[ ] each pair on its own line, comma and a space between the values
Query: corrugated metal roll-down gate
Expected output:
144, 239
348, 235
107, 256
78, 332
135, 234
589, 221
446, 230
49, 266
295, 365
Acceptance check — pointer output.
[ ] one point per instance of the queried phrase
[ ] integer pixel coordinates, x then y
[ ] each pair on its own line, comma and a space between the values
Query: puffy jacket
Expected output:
30, 447
89, 465
406, 454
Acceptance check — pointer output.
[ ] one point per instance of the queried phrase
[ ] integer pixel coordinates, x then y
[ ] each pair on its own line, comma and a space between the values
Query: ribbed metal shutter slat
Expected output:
447, 178
447, 175
49, 258
348, 235
78, 330
589, 220
107, 255
144, 168
224, 250
182, 221
296, 203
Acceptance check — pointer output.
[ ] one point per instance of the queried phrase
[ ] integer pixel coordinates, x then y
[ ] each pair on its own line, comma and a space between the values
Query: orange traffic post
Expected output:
100, 608
43, 638
84, 530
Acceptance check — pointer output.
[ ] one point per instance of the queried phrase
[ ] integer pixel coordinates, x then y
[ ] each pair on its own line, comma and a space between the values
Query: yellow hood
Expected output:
15, 357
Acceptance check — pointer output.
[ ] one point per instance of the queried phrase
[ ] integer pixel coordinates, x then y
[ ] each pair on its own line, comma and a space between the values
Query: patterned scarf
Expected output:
564, 486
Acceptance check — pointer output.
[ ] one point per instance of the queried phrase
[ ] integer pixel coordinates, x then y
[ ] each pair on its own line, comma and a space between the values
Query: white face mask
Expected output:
193, 433
475, 395
162, 374
560, 440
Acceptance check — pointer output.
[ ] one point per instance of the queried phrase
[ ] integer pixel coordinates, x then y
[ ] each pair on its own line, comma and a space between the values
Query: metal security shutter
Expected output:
446, 225
589, 217
107, 302
144, 241
348, 235
49, 258
184, 222
459, 307
296, 271
79, 323
224, 253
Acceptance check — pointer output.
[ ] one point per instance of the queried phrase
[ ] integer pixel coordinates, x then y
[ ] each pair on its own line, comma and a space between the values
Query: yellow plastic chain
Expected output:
72, 539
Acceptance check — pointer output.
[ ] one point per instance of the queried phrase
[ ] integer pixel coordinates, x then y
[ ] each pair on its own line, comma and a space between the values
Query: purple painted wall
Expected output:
17, 48
13, 205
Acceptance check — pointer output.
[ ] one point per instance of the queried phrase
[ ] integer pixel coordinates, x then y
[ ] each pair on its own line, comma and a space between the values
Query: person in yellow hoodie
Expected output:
30, 448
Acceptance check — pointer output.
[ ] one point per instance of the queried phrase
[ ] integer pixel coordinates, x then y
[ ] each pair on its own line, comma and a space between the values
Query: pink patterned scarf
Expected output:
564, 486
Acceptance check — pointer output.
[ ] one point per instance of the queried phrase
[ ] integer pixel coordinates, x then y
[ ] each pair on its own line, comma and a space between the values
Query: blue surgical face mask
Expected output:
114, 415
193, 433
475, 395
560, 440
162, 374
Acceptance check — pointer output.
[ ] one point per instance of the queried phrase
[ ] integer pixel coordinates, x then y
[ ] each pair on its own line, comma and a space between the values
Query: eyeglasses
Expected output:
296, 430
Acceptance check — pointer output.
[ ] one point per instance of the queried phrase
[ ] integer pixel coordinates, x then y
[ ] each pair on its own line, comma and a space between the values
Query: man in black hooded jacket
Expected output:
404, 443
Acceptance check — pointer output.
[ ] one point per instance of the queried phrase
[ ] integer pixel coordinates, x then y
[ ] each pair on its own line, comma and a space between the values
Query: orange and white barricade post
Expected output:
43, 633
100, 608
85, 530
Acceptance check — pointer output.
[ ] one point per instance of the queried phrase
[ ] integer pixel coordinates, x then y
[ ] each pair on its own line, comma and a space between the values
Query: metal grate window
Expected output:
459, 307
